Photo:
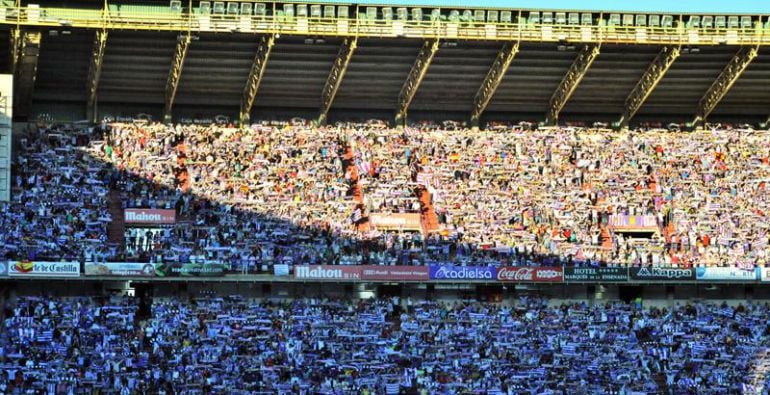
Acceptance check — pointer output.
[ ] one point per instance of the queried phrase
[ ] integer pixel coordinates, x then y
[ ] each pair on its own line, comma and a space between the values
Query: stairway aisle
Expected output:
116, 228
349, 167
182, 176
605, 238
428, 215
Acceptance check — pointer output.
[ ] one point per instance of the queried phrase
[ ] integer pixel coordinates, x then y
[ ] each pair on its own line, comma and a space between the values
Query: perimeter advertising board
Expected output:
189, 270
598, 274
120, 269
327, 272
764, 274
475, 273
43, 269
530, 274
138, 269
726, 274
673, 274
281, 270
395, 273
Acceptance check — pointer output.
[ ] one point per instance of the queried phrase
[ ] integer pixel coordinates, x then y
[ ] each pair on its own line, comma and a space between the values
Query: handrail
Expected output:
109, 18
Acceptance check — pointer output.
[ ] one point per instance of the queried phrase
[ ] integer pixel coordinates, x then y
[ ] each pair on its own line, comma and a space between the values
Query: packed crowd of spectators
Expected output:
270, 194
387, 346
59, 199
281, 193
550, 193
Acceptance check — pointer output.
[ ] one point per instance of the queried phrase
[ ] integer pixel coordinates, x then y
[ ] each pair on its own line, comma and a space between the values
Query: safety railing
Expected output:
141, 19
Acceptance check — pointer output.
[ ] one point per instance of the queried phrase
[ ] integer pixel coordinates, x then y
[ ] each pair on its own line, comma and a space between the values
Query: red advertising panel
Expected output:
395, 221
395, 273
531, 274
326, 272
149, 216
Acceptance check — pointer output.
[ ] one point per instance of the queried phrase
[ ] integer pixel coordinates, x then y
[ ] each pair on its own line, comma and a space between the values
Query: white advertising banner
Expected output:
764, 274
43, 269
726, 273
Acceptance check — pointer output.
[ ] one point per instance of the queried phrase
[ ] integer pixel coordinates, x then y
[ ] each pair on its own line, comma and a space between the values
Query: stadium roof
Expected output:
187, 63
648, 6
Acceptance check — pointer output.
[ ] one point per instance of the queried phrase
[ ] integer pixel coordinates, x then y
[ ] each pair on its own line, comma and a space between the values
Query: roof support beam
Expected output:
413, 80
648, 82
493, 79
258, 67
15, 48
336, 74
26, 72
95, 72
175, 74
570, 82
724, 82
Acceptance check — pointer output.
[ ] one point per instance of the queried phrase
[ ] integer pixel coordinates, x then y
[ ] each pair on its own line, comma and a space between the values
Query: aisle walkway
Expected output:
427, 211
116, 228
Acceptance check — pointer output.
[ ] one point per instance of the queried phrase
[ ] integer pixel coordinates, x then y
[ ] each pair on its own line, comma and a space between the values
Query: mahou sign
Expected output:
530, 274
149, 216
325, 272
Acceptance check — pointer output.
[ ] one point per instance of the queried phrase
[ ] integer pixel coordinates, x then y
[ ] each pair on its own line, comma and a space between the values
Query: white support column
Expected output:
6, 132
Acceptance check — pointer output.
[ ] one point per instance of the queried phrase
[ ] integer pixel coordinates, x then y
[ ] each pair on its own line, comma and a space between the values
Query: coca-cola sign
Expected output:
149, 216
530, 274
327, 272
446, 272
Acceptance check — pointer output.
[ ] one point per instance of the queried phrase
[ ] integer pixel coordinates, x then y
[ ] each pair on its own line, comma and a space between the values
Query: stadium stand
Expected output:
250, 197
388, 346
275, 193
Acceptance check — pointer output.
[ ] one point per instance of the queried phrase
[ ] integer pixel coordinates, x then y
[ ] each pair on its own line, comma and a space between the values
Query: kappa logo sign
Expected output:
667, 273
662, 273
530, 274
